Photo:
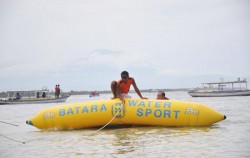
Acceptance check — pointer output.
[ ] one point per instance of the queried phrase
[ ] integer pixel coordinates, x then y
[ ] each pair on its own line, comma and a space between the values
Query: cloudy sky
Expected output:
85, 44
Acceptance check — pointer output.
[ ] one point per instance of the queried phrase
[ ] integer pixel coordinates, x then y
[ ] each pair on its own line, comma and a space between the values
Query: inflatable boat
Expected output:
170, 113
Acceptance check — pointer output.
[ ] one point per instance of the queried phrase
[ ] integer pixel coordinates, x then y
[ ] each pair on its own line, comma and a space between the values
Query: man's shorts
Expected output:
125, 95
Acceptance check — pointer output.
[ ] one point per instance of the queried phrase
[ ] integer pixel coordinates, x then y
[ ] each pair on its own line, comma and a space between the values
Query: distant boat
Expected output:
94, 94
31, 97
221, 89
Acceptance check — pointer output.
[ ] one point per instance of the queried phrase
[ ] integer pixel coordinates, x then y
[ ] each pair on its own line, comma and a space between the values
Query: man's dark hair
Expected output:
162, 93
125, 73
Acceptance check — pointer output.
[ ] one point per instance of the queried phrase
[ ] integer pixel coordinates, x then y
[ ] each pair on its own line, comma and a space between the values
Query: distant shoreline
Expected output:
72, 92
131, 91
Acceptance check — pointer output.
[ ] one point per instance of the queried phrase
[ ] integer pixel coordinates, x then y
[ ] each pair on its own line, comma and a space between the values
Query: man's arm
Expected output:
137, 90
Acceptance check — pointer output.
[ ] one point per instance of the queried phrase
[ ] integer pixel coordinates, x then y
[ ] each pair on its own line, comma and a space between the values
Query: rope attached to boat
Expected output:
8, 123
122, 107
12, 139
9, 137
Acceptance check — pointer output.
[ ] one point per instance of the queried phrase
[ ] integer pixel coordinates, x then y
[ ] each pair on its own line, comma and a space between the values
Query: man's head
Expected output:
160, 95
124, 73
124, 76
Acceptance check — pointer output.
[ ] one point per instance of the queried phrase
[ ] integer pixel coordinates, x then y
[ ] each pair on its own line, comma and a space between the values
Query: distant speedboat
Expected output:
31, 97
221, 89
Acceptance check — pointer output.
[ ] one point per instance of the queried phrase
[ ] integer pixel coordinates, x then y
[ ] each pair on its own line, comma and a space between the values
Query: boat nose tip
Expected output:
29, 122
225, 117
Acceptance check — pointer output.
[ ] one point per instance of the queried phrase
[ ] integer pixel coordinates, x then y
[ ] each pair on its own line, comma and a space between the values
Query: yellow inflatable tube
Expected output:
133, 112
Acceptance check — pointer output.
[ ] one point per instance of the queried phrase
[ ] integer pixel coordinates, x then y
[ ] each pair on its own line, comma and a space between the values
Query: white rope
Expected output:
110, 120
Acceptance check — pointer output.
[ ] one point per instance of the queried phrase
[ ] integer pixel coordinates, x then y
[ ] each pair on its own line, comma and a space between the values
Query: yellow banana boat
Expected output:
134, 112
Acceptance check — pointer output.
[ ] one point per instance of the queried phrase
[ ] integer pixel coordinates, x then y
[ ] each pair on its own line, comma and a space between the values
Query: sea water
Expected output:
228, 138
